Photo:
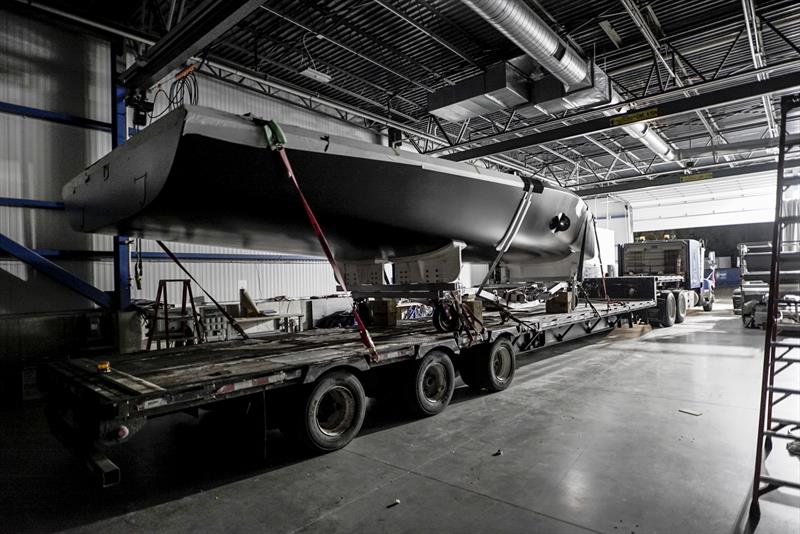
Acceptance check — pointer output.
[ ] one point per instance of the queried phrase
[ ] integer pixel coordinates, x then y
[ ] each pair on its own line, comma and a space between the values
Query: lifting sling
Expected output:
276, 141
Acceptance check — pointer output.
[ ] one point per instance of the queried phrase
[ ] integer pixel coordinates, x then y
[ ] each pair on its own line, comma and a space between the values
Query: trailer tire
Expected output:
494, 366
681, 305
431, 383
330, 413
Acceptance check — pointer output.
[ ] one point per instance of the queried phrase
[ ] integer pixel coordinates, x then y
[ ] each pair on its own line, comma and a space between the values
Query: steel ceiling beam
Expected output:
411, 22
194, 33
332, 84
753, 145
261, 81
705, 173
635, 103
756, 42
348, 48
640, 22
720, 97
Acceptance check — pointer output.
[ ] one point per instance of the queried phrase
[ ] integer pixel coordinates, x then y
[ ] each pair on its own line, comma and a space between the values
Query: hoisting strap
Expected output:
531, 186
222, 310
276, 140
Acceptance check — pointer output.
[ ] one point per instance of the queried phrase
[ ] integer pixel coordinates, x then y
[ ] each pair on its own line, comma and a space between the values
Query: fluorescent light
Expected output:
314, 74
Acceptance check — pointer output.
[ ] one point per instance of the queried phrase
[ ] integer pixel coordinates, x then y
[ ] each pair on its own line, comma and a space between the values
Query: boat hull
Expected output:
203, 176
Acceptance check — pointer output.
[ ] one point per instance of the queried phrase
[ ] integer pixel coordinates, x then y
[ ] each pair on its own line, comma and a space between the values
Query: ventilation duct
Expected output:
502, 86
518, 22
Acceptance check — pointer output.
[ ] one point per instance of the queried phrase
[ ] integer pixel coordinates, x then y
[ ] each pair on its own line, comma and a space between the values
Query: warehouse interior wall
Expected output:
59, 68
51, 68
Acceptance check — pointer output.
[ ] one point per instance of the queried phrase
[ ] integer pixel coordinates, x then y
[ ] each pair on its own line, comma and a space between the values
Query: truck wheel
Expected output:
330, 414
445, 318
495, 365
431, 383
666, 310
680, 306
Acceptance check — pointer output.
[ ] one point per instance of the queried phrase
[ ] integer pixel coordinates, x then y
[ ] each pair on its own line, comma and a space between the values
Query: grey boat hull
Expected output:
203, 176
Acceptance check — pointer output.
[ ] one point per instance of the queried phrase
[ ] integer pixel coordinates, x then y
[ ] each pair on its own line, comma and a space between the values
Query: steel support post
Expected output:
122, 278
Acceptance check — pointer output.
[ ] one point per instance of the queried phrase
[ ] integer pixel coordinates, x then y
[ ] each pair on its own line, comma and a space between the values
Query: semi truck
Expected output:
679, 268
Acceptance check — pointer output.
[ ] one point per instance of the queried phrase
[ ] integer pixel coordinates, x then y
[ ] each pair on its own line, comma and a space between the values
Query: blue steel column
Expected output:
122, 279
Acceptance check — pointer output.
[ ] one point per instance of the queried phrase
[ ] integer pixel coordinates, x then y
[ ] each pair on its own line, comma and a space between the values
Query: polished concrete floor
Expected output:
590, 435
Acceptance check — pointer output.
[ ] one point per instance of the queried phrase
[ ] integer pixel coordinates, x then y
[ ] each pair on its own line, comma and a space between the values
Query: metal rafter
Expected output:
350, 49
644, 28
375, 97
204, 24
756, 42
711, 99
416, 25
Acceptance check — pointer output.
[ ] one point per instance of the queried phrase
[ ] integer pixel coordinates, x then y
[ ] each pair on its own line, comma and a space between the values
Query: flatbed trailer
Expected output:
315, 381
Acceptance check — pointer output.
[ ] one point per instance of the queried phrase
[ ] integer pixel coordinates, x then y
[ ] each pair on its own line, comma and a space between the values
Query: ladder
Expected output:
184, 326
780, 381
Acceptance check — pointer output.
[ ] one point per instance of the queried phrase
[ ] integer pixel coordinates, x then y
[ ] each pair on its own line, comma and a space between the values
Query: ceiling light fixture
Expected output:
314, 74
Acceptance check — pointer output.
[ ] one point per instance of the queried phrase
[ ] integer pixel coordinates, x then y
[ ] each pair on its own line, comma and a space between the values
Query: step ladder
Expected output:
780, 382
180, 326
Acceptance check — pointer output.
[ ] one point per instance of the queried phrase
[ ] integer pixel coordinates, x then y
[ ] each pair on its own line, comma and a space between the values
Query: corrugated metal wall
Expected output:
57, 69
49, 68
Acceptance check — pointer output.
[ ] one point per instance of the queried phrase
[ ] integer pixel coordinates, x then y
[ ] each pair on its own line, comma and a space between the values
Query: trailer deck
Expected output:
92, 406
154, 382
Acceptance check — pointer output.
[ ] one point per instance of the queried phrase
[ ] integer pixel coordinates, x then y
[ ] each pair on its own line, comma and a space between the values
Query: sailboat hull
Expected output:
204, 176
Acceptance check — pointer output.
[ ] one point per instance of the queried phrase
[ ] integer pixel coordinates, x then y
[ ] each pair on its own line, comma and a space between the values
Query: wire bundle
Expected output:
183, 90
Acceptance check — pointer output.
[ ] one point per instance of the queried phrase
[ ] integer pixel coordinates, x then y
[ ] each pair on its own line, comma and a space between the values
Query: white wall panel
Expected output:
53, 69
262, 280
49, 67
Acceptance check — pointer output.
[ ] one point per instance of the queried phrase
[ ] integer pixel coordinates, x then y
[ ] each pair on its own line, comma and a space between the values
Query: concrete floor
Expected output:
590, 434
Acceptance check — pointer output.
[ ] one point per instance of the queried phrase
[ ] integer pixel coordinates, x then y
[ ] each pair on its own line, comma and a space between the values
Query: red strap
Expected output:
337, 273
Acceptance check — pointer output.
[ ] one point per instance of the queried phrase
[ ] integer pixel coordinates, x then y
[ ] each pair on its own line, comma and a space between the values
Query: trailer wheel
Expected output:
494, 366
431, 383
445, 317
680, 306
331, 414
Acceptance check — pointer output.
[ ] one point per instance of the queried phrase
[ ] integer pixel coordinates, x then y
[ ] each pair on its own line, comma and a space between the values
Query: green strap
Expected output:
276, 139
